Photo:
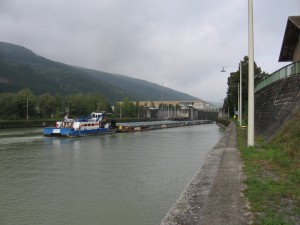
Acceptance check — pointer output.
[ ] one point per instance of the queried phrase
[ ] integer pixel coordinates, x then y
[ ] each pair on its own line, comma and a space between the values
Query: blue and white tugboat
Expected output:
95, 124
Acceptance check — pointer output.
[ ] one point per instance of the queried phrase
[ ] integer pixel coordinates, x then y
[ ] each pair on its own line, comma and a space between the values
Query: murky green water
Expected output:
123, 178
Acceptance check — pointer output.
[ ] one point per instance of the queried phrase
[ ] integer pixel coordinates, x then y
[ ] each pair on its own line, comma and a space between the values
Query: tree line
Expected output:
14, 106
17, 106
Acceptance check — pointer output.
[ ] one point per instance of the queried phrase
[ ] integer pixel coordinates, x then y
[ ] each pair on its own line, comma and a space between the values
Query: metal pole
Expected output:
68, 114
162, 93
228, 112
250, 75
241, 106
27, 110
27, 116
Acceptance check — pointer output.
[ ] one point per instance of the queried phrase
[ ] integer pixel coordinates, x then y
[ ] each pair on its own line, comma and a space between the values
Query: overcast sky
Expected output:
181, 44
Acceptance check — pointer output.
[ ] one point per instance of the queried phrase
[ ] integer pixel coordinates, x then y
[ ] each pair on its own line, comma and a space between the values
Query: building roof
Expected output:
290, 39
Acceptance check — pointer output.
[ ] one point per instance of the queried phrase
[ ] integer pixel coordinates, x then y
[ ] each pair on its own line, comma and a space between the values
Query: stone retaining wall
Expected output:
275, 104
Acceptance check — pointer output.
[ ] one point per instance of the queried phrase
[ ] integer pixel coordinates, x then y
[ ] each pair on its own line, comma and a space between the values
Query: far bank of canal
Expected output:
126, 178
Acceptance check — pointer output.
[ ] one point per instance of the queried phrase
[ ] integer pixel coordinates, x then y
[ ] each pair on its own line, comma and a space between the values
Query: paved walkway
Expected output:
214, 195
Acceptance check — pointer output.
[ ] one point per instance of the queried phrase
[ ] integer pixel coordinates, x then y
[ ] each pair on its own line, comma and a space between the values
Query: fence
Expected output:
284, 72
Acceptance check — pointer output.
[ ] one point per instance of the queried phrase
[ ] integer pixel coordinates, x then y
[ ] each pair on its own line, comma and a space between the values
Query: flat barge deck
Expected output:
153, 125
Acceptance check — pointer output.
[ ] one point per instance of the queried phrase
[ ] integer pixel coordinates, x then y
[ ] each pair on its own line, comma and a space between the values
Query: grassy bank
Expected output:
223, 122
273, 175
25, 123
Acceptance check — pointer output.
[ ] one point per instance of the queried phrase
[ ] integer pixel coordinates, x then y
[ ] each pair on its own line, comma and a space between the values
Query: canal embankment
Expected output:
214, 194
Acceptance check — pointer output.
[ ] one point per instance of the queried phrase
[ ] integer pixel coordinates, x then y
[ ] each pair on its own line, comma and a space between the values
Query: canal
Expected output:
122, 178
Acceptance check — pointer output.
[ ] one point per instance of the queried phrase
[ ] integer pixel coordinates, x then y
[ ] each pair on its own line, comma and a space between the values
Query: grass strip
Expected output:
272, 172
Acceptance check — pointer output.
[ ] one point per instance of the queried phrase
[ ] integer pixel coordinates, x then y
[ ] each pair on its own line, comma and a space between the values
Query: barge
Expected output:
95, 124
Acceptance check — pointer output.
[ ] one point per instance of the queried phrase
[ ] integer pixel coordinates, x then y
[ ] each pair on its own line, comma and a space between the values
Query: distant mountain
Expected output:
21, 68
143, 89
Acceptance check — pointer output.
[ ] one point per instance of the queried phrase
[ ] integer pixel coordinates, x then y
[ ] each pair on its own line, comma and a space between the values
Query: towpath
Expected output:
214, 196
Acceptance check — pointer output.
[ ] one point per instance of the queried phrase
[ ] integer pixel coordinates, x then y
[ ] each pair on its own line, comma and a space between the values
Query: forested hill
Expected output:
21, 68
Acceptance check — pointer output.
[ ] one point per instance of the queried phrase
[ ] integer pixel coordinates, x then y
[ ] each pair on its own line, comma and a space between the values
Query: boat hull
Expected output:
71, 132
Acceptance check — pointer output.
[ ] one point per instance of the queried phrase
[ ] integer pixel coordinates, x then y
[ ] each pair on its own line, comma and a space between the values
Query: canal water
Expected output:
122, 178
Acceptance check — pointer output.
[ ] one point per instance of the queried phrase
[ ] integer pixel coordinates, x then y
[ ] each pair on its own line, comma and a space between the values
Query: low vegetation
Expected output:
273, 176
222, 121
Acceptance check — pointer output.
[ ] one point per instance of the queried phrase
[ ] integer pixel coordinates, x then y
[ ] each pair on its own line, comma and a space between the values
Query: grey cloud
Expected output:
180, 43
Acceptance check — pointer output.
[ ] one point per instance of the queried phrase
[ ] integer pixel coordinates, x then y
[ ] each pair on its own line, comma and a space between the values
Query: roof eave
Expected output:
290, 39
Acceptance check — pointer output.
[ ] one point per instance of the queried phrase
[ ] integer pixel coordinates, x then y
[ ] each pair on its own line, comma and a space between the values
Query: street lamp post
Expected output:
240, 106
68, 110
227, 112
27, 116
226, 99
239, 109
250, 136
238, 87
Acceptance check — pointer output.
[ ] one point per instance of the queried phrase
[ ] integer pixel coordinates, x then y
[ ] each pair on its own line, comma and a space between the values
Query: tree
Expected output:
232, 91
128, 109
84, 104
14, 106
99, 103
8, 106
22, 98
49, 105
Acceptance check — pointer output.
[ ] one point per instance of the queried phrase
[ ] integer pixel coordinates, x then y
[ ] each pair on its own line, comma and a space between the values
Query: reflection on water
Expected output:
20, 132
126, 178
10, 136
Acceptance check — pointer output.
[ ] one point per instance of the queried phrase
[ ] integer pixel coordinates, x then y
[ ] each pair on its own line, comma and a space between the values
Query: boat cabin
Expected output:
97, 116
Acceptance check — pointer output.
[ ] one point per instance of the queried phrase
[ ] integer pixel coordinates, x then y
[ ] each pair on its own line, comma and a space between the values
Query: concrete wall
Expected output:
275, 104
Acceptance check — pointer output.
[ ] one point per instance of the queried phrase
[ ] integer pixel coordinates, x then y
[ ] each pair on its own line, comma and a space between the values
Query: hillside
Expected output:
145, 90
21, 68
